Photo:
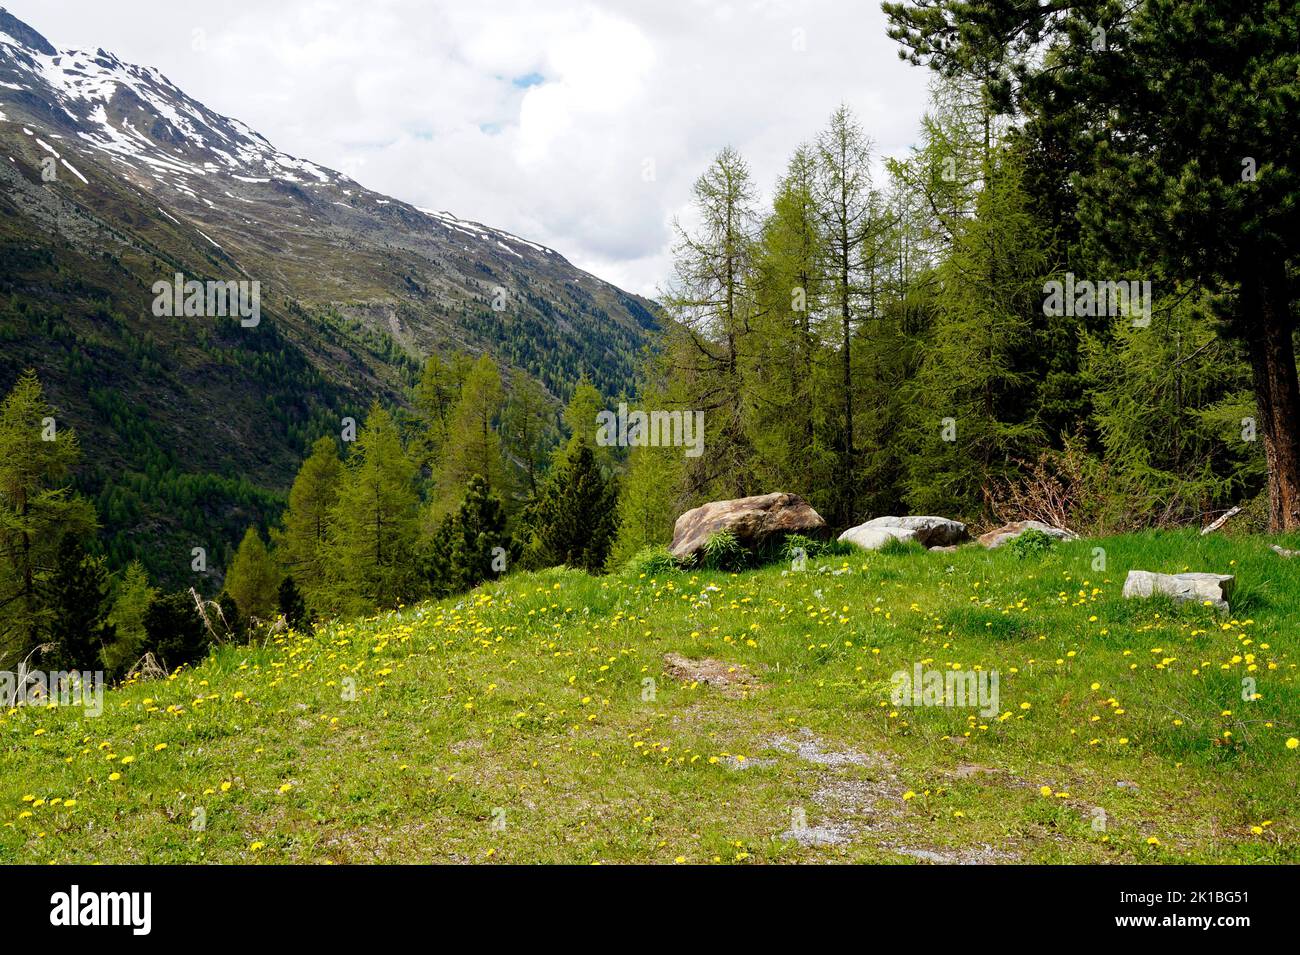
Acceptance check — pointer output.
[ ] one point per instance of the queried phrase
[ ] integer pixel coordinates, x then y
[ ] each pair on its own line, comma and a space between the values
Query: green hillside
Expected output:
546, 718
193, 428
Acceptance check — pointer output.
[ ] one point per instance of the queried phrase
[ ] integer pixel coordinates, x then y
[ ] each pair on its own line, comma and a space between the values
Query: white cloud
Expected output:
538, 118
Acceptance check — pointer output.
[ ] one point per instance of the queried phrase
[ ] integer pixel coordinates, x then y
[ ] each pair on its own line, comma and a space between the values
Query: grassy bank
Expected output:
536, 720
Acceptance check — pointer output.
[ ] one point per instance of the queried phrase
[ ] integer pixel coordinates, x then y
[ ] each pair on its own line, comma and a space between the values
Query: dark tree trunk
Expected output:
1277, 393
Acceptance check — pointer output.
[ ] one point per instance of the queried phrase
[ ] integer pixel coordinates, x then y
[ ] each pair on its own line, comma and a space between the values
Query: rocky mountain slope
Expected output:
113, 179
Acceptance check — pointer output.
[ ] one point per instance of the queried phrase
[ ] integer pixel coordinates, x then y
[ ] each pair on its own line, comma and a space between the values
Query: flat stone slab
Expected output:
1182, 588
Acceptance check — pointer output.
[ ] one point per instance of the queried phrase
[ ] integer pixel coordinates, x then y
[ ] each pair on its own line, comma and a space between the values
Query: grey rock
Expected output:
1183, 588
930, 531
874, 538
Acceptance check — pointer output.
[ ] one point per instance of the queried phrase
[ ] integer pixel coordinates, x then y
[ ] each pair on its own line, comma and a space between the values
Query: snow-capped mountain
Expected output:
154, 128
112, 179
246, 196
153, 133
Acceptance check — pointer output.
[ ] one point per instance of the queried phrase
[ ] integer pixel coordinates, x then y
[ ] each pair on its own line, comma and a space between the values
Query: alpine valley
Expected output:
112, 179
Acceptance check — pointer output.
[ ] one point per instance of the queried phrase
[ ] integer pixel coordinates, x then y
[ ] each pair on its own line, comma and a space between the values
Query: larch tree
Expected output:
254, 578
712, 298
433, 401
300, 542
37, 509
845, 206
790, 398
474, 444
528, 429
374, 524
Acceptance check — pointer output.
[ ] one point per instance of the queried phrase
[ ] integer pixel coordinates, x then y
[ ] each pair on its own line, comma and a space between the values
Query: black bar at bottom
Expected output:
215, 904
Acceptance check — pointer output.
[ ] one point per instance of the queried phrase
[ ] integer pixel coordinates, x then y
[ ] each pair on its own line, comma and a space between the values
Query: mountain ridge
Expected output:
112, 179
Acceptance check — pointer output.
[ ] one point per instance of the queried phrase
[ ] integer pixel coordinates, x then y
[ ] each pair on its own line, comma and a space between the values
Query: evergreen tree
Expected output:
477, 538
574, 520
174, 631
253, 578
37, 509
300, 546
473, 446
374, 525
234, 623
1187, 173
131, 600
433, 555
76, 596
292, 607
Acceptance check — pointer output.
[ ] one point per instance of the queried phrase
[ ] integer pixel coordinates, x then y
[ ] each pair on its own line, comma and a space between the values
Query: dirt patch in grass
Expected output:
860, 796
729, 679
853, 793
809, 747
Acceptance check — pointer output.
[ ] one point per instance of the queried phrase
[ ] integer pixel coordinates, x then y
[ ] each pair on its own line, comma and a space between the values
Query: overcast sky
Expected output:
541, 118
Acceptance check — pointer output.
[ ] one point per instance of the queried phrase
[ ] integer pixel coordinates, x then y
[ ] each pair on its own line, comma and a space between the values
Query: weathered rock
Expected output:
755, 521
874, 538
1198, 588
930, 531
1009, 532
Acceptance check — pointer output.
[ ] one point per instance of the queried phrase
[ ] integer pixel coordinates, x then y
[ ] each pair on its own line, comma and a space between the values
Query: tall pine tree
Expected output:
77, 598
37, 509
374, 525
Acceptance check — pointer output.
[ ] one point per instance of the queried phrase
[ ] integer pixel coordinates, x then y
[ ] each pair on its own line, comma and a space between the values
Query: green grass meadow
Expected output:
536, 720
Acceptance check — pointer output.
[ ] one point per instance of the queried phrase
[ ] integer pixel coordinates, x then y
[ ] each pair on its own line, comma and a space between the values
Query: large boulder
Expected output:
929, 531
1183, 588
1009, 532
874, 538
757, 522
